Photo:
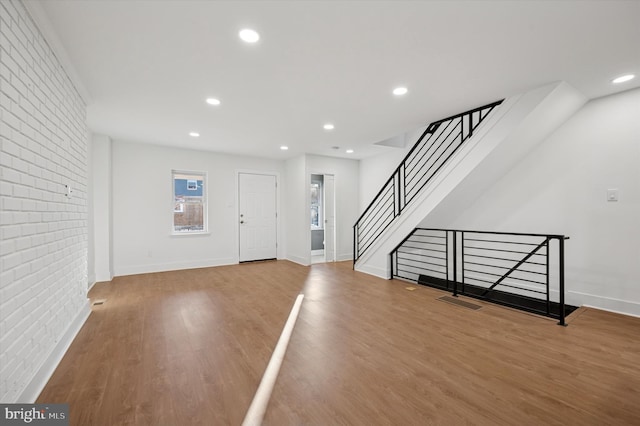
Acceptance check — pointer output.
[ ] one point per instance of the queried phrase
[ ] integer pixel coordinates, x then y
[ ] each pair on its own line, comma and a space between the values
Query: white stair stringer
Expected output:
511, 131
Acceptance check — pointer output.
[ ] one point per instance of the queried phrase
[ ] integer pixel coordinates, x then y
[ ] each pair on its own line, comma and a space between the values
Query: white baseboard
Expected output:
91, 281
42, 376
340, 257
373, 270
299, 260
610, 304
104, 276
173, 266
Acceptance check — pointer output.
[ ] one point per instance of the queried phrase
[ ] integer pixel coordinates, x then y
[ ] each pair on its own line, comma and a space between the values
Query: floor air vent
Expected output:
456, 301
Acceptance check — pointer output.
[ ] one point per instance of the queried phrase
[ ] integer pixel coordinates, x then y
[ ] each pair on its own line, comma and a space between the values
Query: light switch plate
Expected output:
612, 195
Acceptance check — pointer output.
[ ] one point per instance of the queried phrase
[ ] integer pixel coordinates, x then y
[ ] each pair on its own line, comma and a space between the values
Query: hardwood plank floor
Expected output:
190, 347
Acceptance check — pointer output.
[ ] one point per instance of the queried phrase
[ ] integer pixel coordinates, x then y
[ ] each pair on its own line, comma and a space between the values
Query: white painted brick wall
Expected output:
43, 233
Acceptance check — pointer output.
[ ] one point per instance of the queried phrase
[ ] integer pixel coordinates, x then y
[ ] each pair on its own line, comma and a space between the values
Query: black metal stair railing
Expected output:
513, 269
429, 154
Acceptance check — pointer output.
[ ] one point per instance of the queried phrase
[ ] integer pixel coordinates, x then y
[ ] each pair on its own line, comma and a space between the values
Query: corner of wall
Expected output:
44, 229
376, 271
46, 369
41, 20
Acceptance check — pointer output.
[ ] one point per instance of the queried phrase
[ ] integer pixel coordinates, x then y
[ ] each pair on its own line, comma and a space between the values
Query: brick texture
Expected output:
43, 233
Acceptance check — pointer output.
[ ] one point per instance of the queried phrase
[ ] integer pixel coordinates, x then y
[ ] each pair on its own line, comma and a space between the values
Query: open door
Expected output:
329, 219
323, 218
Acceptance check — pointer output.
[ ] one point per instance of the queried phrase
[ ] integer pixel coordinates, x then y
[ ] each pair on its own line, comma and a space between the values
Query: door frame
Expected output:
237, 209
308, 204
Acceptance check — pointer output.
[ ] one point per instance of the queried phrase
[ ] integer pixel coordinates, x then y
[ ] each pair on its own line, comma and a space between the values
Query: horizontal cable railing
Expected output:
524, 271
430, 153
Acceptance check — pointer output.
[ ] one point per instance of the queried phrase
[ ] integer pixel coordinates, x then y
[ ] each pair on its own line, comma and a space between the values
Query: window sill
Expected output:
184, 234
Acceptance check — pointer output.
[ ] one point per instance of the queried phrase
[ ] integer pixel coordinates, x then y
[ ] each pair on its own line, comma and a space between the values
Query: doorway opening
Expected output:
322, 211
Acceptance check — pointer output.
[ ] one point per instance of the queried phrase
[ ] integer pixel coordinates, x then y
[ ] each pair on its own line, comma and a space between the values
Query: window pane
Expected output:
189, 202
316, 204
315, 193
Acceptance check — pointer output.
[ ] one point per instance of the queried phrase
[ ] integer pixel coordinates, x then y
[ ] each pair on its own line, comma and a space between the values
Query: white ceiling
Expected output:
148, 66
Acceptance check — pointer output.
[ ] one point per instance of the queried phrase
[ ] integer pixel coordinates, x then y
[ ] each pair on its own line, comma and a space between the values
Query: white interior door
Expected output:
329, 219
257, 216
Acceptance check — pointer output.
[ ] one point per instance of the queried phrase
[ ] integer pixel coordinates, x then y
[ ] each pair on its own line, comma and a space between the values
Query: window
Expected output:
189, 202
316, 202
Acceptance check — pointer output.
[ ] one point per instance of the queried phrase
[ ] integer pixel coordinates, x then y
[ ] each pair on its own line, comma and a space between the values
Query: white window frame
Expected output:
177, 207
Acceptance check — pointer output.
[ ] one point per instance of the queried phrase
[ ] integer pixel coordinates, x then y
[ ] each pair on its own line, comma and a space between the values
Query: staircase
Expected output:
454, 161
434, 148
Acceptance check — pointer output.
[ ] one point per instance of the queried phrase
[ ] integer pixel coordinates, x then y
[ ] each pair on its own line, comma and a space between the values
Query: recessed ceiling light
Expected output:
349, 151
399, 91
328, 126
284, 147
623, 78
248, 35
194, 134
213, 101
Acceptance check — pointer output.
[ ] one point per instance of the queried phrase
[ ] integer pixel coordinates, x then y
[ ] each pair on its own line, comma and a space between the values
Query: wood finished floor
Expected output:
190, 347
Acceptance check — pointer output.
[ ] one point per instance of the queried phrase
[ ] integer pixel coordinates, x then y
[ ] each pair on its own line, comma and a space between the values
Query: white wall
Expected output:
100, 184
346, 174
43, 257
296, 212
561, 188
377, 169
142, 202
142, 207
91, 257
298, 200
